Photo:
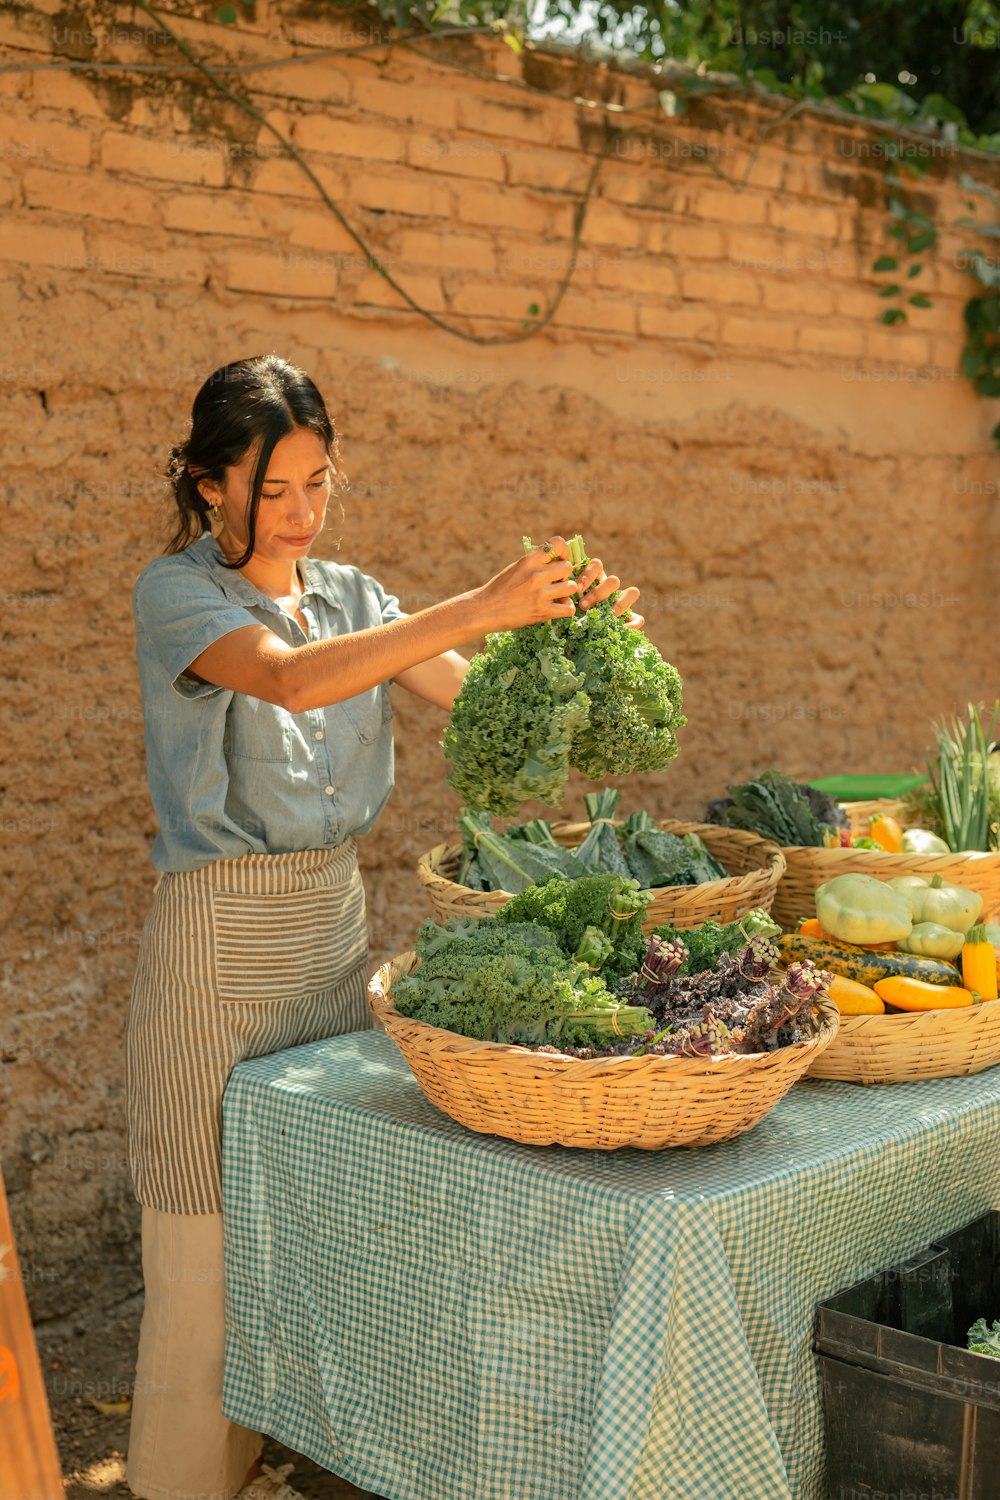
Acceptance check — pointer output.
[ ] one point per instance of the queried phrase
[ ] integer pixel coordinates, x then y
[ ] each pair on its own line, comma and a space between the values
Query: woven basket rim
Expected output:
955, 1014
380, 1002
977, 854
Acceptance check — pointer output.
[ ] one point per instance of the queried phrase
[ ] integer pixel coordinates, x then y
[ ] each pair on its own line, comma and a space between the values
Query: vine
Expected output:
915, 232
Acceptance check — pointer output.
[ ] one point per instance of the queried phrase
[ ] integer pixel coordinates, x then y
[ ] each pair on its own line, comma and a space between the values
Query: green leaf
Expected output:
890, 291
995, 435
227, 15
915, 269
899, 209
937, 107
971, 363
988, 385
533, 309
920, 299
893, 315
922, 241
886, 263
899, 231
885, 94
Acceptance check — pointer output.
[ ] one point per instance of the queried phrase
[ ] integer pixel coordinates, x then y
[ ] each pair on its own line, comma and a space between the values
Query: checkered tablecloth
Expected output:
438, 1315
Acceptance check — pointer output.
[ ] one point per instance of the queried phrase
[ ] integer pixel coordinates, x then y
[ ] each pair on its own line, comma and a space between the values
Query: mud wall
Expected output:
805, 496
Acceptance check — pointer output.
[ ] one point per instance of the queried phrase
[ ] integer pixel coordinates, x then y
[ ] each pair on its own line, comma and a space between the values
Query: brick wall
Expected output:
805, 496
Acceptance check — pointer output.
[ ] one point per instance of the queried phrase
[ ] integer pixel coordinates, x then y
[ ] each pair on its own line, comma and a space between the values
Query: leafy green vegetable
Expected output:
983, 1340
512, 724
601, 851
655, 857
704, 866
509, 982
706, 944
512, 864
773, 806
612, 904
635, 696
583, 691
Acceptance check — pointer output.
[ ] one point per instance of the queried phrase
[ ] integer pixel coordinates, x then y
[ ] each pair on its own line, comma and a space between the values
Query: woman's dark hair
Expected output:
258, 400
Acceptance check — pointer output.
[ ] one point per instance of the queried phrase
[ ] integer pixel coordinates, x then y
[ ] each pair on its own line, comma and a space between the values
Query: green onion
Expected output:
960, 778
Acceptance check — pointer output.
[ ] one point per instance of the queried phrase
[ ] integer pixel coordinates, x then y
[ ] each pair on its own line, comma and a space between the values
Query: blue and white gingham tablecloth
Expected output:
438, 1315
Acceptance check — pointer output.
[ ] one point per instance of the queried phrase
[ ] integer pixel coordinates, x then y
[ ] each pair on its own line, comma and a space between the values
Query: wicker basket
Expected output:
906, 1048
809, 868
545, 1098
858, 813
756, 865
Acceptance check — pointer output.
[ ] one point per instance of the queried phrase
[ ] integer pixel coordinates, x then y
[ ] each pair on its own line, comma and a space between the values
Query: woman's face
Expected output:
293, 500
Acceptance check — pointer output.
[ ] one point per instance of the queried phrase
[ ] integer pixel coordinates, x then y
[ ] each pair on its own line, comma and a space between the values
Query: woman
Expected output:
264, 679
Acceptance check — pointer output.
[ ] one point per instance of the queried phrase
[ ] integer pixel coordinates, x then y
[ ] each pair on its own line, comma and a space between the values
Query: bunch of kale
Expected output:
584, 691
775, 807
527, 852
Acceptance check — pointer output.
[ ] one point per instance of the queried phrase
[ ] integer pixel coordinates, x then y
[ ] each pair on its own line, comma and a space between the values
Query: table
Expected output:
438, 1315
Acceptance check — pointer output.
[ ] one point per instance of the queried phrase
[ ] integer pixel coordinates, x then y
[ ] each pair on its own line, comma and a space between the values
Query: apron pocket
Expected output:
290, 945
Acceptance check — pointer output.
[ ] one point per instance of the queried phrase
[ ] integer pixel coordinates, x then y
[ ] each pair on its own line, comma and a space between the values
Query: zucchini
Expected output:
863, 965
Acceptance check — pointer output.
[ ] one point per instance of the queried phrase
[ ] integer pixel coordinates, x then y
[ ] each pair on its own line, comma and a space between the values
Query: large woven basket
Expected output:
807, 869
757, 866
906, 1048
545, 1098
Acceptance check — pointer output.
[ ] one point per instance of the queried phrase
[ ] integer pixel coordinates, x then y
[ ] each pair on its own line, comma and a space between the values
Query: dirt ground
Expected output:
90, 1358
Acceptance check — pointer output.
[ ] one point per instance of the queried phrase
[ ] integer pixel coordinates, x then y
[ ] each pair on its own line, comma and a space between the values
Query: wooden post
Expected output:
29, 1464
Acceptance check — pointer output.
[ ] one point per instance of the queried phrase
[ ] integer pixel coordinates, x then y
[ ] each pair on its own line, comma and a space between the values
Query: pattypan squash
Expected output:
860, 909
931, 940
934, 900
922, 841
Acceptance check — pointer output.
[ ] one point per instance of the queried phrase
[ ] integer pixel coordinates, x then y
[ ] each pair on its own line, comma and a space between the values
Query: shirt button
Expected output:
320, 734
328, 790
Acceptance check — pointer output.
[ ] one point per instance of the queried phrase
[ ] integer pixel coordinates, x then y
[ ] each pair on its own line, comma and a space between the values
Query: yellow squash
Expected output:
915, 994
853, 999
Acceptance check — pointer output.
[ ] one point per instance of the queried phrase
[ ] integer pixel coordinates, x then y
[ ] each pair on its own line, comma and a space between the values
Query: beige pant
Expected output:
181, 1447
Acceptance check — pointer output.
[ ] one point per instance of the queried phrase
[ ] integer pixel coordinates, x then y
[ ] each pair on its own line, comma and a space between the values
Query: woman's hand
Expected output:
594, 585
539, 587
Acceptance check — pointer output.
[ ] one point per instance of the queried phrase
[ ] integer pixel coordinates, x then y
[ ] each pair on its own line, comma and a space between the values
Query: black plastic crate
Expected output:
910, 1413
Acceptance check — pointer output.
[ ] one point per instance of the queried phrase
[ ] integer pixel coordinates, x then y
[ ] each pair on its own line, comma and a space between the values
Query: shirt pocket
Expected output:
369, 713
288, 946
258, 731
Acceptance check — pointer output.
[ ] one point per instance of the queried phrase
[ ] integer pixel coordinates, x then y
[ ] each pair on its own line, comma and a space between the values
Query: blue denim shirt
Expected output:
230, 774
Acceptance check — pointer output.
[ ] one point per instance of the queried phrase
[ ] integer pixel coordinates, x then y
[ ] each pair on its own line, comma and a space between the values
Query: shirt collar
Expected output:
242, 591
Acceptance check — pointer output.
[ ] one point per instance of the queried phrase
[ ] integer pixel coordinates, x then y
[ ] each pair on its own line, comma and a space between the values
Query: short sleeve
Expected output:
388, 603
178, 615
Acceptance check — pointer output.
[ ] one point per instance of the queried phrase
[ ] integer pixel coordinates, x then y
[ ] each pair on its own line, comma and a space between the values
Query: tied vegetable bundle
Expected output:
528, 852
584, 691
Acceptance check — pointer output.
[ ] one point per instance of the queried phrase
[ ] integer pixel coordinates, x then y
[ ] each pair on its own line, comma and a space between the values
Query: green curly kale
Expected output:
983, 1340
568, 908
510, 982
512, 724
635, 696
583, 691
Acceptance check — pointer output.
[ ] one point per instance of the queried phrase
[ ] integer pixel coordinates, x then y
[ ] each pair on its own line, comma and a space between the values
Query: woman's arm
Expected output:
438, 680
256, 661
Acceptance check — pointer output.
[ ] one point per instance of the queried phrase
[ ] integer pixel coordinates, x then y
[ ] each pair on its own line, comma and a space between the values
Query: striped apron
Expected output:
241, 957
